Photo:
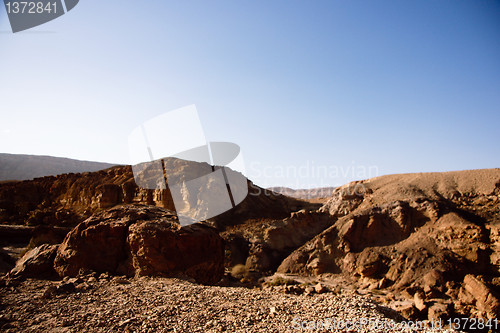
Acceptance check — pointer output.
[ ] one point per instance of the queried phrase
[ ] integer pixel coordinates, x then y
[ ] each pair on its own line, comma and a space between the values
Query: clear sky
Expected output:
316, 93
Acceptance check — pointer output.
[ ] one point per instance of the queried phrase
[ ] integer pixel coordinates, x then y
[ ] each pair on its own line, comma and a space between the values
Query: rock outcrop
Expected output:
68, 199
138, 241
485, 298
36, 263
262, 244
430, 234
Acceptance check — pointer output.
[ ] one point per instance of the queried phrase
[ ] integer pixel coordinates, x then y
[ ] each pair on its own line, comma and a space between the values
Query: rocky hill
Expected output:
433, 237
425, 245
68, 199
23, 167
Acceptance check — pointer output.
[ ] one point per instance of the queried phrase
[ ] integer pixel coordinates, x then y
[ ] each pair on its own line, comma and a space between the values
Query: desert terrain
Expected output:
94, 252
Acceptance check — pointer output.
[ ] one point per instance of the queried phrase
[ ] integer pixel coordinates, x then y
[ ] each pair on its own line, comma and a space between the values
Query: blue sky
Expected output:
357, 88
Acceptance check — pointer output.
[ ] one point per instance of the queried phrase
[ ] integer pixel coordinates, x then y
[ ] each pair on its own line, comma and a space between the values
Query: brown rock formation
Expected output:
68, 199
262, 244
138, 240
414, 231
160, 249
485, 298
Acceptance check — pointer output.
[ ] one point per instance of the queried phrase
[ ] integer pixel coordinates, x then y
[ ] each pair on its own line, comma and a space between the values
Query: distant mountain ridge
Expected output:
24, 167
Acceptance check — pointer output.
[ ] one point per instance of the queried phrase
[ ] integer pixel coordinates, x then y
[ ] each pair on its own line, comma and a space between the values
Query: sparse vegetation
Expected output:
280, 281
239, 271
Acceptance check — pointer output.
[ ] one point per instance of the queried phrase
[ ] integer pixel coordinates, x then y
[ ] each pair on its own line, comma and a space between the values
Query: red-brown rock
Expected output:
141, 240
158, 248
486, 300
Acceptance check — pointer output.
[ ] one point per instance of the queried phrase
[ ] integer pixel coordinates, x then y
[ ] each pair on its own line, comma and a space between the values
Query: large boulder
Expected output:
98, 244
160, 248
36, 263
142, 240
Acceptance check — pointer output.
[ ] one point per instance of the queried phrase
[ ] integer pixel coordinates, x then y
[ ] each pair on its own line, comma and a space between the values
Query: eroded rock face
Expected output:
485, 297
68, 199
141, 240
368, 228
345, 199
97, 244
295, 230
261, 247
195, 250
415, 233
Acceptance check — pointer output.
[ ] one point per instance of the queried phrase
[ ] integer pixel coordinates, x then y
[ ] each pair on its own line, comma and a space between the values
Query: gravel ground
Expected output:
174, 305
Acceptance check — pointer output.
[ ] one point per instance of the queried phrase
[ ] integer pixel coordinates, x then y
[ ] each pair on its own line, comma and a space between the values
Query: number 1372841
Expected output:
31, 7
